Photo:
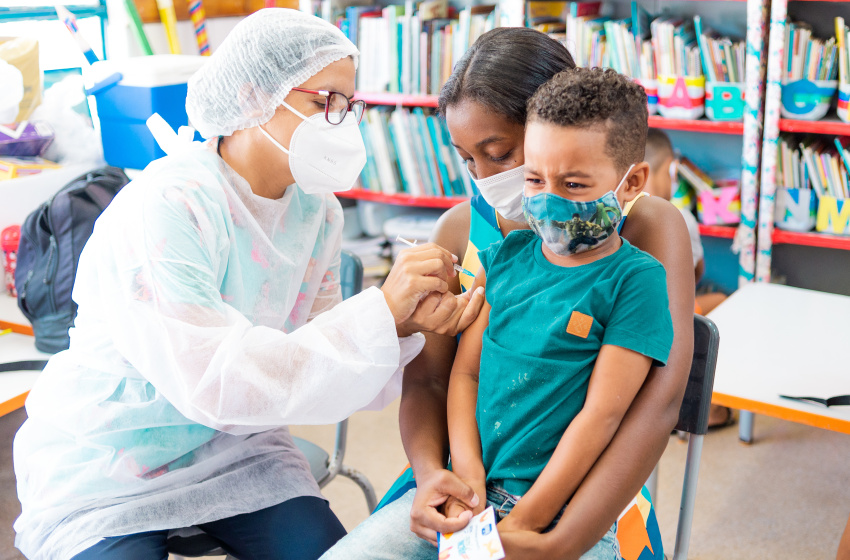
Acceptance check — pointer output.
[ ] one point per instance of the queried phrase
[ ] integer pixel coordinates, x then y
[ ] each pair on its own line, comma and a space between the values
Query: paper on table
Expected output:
477, 541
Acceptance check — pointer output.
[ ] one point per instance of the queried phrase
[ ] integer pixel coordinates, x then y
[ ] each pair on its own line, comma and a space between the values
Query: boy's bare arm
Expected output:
464, 440
617, 376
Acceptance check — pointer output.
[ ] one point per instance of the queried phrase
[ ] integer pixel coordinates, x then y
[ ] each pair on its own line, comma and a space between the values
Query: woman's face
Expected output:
338, 76
488, 142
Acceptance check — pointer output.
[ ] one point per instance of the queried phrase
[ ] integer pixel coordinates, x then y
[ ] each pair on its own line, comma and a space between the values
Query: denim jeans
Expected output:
386, 535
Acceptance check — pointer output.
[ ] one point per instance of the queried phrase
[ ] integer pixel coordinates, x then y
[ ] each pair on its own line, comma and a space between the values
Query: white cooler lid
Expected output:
150, 71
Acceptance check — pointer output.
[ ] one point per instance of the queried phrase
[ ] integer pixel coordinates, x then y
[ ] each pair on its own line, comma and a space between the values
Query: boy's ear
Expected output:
636, 182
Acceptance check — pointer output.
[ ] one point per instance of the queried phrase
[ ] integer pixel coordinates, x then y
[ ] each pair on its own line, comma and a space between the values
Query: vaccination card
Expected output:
477, 541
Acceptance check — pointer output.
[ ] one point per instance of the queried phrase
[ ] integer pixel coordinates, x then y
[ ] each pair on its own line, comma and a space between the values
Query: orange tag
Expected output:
579, 324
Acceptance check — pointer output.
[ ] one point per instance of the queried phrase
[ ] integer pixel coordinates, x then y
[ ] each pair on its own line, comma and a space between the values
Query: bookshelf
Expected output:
776, 255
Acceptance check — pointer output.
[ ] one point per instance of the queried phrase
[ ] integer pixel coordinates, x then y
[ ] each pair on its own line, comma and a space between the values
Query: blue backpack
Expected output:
52, 239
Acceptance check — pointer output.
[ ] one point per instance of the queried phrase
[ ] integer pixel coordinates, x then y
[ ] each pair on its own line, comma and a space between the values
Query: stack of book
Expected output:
816, 164
695, 177
410, 152
842, 37
806, 57
722, 59
408, 50
675, 46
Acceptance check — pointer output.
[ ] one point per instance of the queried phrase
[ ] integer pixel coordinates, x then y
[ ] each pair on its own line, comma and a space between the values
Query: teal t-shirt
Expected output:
547, 325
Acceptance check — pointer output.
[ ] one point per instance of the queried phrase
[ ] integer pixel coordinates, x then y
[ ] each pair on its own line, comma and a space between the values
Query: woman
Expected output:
208, 321
484, 103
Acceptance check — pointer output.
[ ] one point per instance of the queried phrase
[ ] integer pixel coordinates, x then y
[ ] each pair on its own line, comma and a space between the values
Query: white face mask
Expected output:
324, 157
503, 191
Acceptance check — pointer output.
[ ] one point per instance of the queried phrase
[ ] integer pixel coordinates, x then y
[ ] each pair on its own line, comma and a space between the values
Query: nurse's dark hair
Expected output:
503, 69
593, 97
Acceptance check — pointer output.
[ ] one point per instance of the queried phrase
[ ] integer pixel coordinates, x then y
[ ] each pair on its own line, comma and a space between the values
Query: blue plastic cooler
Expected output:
148, 85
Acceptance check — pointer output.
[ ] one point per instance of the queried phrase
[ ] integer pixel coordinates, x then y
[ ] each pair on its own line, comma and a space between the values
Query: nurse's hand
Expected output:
417, 272
447, 313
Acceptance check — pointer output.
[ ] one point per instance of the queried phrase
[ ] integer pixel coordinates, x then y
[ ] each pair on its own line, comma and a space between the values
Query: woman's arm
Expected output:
617, 376
422, 414
657, 227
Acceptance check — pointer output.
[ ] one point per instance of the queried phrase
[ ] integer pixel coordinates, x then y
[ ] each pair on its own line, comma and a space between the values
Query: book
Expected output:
840, 400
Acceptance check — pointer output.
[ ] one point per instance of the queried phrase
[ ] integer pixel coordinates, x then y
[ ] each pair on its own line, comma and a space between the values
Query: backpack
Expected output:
52, 239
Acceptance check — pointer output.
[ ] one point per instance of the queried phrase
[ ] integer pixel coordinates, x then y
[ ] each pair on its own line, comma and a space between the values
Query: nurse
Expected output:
210, 318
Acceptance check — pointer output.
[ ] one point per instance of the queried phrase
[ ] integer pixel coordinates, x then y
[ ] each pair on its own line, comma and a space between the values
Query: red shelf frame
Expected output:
830, 126
700, 125
811, 239
726, 232
404, 199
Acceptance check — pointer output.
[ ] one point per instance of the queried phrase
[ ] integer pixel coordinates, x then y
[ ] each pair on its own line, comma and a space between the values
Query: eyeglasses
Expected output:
338, 105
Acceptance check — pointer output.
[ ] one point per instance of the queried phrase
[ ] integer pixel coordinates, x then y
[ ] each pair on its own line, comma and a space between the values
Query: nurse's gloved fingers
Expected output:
431, 267
427, 252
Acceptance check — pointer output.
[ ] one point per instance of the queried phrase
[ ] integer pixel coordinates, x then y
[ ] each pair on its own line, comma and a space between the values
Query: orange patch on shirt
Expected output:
579, 324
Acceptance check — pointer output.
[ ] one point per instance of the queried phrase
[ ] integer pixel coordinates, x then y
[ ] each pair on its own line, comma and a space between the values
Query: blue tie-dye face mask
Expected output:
567, 226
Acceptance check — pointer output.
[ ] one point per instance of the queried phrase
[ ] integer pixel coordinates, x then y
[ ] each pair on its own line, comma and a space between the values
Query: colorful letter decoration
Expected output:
807, 100
796, 209
720, 207
724, 101
844, 102
651, 88
681, 97
833, 216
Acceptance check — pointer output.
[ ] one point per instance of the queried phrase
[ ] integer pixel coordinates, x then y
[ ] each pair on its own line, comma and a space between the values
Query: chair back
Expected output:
350, 274
693, 415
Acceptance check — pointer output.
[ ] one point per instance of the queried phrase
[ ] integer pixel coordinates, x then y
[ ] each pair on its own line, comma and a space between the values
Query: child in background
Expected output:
574, 316
662, 176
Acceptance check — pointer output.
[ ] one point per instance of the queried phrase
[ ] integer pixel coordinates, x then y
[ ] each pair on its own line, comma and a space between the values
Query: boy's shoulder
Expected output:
634, 260
514, 243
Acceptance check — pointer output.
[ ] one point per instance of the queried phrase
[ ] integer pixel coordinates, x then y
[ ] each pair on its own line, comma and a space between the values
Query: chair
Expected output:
192, 542
693, 420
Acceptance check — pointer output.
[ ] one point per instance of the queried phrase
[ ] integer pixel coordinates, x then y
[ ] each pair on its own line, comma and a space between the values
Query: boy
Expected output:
575, 315
662, 176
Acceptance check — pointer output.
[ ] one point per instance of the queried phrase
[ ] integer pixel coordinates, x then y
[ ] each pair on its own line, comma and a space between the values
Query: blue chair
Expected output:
192, 542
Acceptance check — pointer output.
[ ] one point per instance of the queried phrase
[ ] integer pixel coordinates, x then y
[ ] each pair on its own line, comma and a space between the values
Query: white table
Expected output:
14, 347
781, 340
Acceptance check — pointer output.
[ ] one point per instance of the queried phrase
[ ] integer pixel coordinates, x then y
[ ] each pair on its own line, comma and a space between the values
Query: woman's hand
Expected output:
432, 491
417, 272
446, 313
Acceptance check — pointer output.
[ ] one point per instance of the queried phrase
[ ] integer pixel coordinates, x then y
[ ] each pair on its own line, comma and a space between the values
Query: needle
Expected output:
456, 266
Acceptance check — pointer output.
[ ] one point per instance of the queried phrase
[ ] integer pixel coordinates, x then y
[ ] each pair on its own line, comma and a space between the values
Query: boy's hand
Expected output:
456, 509
513, 522
525, 545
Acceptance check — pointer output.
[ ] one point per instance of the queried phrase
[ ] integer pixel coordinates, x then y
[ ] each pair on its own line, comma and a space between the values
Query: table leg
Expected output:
745, 426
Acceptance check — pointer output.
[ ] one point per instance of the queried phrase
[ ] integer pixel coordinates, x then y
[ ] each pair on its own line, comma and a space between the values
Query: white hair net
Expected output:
260, 61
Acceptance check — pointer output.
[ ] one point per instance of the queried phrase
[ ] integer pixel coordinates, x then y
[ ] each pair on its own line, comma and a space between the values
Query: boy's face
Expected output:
571, 162
660, 180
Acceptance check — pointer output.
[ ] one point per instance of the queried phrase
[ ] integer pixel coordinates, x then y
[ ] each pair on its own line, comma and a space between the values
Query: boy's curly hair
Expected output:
588, 97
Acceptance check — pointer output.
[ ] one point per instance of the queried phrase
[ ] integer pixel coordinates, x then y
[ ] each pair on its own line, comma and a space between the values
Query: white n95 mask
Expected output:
503, 191
324, 157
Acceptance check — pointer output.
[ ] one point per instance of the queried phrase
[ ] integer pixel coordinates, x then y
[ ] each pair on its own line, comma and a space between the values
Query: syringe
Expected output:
457, 267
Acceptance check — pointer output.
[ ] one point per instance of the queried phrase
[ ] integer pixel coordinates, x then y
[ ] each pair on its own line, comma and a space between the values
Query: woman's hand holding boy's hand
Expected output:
433, 491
